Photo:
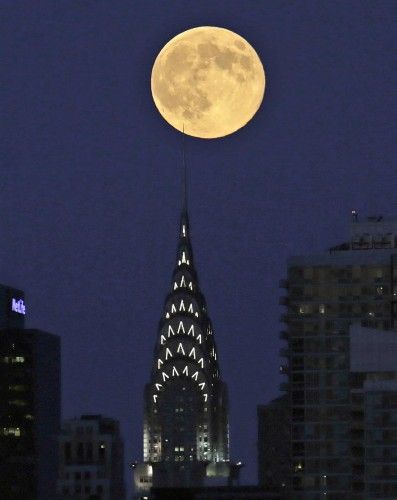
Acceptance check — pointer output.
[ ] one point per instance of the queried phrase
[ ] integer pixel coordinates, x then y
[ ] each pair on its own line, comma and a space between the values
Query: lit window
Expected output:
12, 431
321, 308
14, 359
17, 402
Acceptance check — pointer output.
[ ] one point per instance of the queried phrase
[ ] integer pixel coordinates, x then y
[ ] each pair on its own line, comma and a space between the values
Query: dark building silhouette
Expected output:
29, 404
186, 430
274, 437
91, 459
332, 417
215, 493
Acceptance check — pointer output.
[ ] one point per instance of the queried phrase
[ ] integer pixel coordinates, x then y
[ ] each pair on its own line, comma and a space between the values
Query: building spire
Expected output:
184, 177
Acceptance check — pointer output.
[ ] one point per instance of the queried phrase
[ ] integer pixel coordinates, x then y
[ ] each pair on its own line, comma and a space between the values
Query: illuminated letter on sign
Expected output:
18, 306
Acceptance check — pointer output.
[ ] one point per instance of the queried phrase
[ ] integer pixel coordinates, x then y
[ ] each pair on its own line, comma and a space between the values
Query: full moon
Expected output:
208, 81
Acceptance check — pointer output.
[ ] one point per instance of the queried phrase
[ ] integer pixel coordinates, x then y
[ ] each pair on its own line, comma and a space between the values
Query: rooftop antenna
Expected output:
184, 170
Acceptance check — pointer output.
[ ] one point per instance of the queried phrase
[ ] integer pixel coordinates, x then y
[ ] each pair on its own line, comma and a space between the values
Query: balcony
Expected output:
285, 352
283, 335
283, 283
284, 386
284, 318
284, 369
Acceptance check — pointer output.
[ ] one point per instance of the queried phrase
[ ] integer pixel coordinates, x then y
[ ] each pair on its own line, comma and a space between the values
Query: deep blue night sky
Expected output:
90, 185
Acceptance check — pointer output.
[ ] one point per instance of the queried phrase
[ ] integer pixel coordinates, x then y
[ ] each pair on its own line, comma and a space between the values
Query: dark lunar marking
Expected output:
177, 61
207, 50
225, 59
240, 77
246, 62
239, 45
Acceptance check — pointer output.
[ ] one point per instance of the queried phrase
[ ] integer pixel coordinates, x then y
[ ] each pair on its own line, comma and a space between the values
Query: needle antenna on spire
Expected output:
184, 170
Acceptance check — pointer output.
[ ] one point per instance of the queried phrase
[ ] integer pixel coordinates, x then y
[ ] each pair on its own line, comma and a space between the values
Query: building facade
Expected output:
29, 404
373, 365
91, 459
274, 430
186, 430
355, 282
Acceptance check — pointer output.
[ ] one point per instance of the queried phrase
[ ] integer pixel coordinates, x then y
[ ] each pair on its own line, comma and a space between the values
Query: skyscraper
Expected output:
29, 404
355, 282
186, 431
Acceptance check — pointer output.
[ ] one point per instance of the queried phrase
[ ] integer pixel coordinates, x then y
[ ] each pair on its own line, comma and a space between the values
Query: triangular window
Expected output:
170, 331
195, 375
181, 327
168, 354
186, 371
192, 353
201, 362
162, 340
173, 308
182, 306
175, 372
180, 349
165, 376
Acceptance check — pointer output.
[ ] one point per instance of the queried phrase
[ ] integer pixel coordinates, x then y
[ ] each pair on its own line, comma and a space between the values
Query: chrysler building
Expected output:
186, 429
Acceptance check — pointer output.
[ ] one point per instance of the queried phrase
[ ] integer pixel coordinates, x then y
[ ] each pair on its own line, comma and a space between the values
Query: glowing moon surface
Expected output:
209, 81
